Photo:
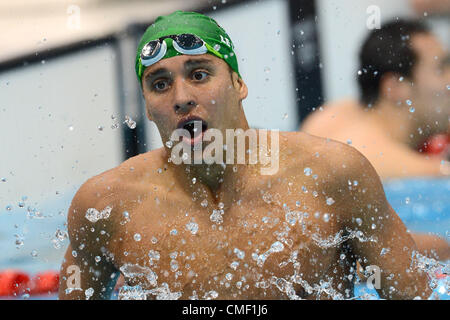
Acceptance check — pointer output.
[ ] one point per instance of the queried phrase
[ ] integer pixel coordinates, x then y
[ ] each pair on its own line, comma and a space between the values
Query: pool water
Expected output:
33, 236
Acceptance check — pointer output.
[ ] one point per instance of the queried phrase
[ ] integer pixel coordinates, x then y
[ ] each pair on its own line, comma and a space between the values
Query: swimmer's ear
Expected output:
395, 88
240, 85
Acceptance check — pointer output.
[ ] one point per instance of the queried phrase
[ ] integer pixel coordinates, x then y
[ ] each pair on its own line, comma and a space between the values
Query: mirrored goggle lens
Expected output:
150, 50
189, 41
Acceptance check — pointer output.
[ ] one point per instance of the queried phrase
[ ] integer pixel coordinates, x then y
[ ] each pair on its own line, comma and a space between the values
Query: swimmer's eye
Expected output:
199, 75
160, 85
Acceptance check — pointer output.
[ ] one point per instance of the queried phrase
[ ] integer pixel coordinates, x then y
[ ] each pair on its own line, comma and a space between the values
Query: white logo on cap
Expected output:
225, 41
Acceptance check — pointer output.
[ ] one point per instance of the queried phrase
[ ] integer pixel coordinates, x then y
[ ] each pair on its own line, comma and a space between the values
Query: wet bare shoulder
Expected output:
340, 170
328, 157
101, 198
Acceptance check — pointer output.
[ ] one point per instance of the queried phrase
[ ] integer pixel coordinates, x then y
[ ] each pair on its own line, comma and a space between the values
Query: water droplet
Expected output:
407, 200
192, 227
3, 179
285, 116
217, 47
204, 203
359, 221
34, 253
307, 171
408, 102
349, 141
194, 180
330, 201
173, 232
239, 253
210, 295
89, 293
342, 256
173, 265
216, 216
130, 122
326, 217
374, 226
412, 109
153, 255
98, 258
400, 79
154, 240
169, 144
137, 237
277, 247
71, 128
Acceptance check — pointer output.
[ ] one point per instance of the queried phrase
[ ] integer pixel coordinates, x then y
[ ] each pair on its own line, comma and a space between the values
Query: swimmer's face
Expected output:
431, 76
200, 86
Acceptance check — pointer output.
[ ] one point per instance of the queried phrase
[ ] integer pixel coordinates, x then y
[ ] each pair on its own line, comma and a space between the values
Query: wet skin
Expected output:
323, 244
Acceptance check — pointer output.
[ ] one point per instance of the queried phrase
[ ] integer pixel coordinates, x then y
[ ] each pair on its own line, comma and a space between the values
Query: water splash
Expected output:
135, 270
275, 247
132, 293
93, 215
338, 238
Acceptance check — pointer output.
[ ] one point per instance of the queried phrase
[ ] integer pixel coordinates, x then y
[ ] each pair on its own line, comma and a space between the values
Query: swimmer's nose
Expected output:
184, 101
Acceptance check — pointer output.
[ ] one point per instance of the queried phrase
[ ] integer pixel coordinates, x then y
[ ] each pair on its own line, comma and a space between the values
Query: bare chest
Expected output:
270, 247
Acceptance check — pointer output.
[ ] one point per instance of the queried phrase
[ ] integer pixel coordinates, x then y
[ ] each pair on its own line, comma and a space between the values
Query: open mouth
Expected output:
196, 128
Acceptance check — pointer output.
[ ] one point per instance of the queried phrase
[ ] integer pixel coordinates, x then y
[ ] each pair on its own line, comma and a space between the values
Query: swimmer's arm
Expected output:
383, 241
80, 281
86, 265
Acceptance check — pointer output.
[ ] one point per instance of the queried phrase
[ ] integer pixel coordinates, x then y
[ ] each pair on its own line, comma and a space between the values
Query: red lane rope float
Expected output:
16, 282
437, 144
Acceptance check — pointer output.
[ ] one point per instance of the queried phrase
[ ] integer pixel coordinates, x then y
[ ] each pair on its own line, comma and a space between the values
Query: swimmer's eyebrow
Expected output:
194, 63
161, 72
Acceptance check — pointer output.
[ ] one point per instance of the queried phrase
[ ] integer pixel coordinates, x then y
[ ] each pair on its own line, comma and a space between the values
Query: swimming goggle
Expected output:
185, 43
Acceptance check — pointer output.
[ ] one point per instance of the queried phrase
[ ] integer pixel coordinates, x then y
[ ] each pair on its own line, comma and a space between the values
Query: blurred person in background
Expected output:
431, 6
404, 79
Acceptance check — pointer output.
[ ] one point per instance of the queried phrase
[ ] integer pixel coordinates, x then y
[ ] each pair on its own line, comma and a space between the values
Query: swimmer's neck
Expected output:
214, 183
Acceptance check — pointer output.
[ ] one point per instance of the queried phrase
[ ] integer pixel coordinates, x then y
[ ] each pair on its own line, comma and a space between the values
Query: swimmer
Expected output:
228, 231
404, 99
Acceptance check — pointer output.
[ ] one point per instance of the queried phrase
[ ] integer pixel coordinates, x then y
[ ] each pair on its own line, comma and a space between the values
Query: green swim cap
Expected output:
217, 40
